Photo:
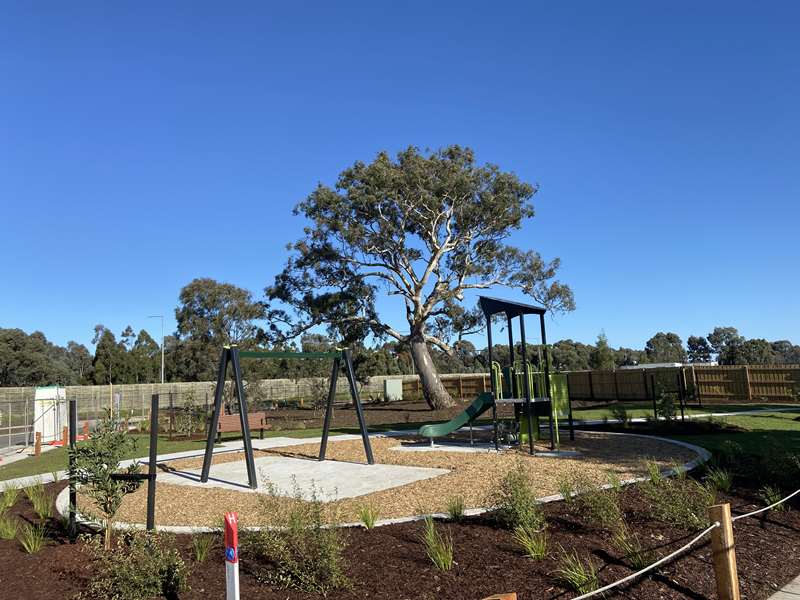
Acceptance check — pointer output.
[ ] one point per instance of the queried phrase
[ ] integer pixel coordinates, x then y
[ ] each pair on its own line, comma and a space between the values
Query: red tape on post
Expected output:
231, 537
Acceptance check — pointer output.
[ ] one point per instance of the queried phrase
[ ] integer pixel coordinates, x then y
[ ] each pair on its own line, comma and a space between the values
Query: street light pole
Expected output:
162, 342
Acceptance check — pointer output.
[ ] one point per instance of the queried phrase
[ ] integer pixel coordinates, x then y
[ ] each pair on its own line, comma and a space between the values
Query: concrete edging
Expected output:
703, 455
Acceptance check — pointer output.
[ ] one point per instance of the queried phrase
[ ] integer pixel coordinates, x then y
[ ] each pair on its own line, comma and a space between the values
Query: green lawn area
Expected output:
644, 409
764, 433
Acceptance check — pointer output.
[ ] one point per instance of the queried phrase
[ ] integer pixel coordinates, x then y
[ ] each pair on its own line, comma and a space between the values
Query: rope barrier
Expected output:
681, 549
651, 567
766, 508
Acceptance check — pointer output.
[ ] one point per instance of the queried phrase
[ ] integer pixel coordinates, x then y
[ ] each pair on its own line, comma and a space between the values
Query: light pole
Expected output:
162, 342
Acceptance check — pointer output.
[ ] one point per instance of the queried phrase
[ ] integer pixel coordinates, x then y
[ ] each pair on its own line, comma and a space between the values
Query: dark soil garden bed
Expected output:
389, 562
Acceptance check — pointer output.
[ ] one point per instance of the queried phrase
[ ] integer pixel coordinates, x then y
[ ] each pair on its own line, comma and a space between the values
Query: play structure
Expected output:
232, 355
533, 394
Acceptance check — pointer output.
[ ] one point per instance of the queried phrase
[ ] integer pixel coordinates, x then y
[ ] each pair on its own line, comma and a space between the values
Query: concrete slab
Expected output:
329, 479
791, 591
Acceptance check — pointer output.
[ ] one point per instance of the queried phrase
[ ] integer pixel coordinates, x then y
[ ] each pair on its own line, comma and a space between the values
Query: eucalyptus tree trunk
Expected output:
432, 387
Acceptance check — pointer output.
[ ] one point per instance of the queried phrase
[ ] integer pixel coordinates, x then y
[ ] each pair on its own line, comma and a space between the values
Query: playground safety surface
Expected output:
474, 476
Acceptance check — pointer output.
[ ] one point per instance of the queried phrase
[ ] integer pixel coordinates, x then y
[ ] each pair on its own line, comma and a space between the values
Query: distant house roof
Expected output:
493, 306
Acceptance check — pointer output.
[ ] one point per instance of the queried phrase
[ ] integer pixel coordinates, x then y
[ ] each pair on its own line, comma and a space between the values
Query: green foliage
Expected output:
577, 575
32, 537
201, 545
455, 507
565, 487
602, 356
620, 413
438, 546
679, 502
368, 514
631, 548
8, 527
770, 495
515, 500
9, 497
424, 225
599, 506
665, 348
96, 460
654, 472
665, 405
40, 499
533, 542
300, 551
140, 565
719, 479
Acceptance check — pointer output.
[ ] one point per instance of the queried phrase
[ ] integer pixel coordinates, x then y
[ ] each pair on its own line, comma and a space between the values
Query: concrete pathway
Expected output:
791, 591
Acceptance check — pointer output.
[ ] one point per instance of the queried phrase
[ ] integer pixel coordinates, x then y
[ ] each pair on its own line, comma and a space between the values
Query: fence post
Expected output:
591, 386
747, 383
723, 553
616, 386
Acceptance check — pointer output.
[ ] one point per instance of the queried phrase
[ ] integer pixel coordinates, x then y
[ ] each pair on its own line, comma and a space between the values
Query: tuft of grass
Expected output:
8, 497
719, 479
31, 537
576, 575
620, 413
368, 514
201, 546
565, 487
599, 506
631, 548
41, 499
615, 482
533, 542
438, 547
653, 472
8, 528
455, 508
680, 502
770, 495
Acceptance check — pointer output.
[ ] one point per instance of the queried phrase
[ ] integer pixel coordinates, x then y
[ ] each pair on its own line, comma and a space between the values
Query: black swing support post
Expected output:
547, 384
526, 384
214, 422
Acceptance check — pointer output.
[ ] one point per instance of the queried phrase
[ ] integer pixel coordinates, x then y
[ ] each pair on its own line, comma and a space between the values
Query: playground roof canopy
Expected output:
492, 306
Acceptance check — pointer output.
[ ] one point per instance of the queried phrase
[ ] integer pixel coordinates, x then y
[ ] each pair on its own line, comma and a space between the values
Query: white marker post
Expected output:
232, 556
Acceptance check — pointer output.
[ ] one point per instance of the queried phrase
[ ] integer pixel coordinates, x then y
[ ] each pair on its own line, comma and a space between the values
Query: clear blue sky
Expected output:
145, 144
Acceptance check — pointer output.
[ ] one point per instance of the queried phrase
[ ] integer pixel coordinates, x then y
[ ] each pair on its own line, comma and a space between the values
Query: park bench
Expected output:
230, 423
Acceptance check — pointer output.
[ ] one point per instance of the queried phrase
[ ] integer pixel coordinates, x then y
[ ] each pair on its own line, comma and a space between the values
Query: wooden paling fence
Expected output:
699, 383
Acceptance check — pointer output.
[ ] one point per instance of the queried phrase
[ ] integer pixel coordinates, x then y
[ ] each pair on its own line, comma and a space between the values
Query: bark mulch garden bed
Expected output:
389, 562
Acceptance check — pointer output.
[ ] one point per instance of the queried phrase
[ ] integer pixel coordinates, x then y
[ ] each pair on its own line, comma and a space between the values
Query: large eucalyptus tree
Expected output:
424, 227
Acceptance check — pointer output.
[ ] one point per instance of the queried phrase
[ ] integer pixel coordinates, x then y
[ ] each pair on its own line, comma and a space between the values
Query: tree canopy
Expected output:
422, 227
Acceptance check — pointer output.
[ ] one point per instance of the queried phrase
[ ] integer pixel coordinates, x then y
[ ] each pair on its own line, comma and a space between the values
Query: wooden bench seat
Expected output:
230, 423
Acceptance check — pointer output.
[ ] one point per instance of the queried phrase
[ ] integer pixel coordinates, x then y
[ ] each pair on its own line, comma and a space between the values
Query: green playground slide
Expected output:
480, 405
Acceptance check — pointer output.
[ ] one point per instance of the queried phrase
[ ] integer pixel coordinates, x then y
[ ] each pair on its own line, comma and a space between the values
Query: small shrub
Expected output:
31, 537
438, 547
630, 547
576, 575
615, 482
516, 502
770, 495
300, 552
679, 502
455, 507
8, 498
368, 514
533, 542
201, 546
140, 565
620, 413
665, 405
600, 506
729, 454
719, 479
8, 528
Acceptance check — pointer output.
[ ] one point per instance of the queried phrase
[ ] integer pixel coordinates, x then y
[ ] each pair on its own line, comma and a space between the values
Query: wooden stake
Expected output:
37, 448
723, 553
65, 436
509, 596
86, 428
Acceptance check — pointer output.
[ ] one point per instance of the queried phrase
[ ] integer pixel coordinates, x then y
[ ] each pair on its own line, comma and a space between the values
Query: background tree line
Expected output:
211, 314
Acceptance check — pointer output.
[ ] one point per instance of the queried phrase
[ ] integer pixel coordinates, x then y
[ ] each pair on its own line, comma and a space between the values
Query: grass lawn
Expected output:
644, 409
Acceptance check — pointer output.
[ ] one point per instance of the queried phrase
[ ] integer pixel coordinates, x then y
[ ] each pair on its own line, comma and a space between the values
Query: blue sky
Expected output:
145, 144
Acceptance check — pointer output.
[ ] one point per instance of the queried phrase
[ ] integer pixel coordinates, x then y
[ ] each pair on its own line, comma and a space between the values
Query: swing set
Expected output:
231, 355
